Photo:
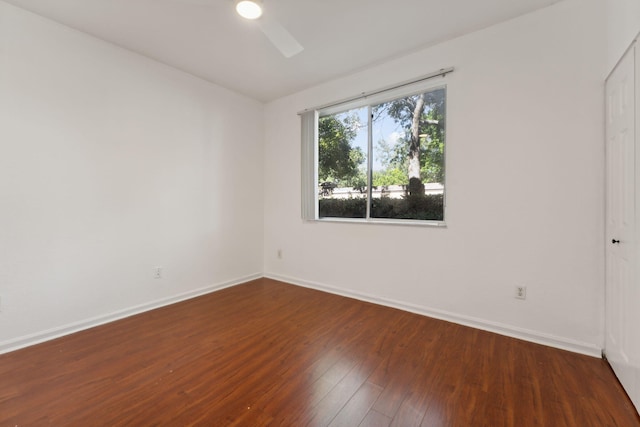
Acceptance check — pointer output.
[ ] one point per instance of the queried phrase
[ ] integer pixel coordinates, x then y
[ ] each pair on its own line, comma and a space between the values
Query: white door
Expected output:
622, 303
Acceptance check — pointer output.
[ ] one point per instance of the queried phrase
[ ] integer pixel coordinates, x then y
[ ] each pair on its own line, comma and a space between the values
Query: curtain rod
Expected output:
440, 73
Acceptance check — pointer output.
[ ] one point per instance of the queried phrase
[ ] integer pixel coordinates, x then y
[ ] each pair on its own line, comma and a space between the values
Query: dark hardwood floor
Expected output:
268, 353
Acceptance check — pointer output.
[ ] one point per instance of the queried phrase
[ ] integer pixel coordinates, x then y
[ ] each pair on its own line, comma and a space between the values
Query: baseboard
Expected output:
486, 325
37, 338
502, 329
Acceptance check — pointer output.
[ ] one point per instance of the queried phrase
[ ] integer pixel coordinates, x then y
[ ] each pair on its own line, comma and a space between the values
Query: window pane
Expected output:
408, 157
342, 164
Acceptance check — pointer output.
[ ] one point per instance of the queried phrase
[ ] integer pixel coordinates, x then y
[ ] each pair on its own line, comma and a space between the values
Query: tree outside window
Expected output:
384, 160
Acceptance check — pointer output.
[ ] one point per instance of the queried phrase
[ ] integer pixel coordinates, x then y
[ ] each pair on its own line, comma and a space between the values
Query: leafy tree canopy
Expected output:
390, 176
338, 160
430, 144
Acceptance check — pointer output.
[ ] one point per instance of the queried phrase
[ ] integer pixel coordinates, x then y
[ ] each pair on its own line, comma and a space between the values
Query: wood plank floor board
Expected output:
326, 409
357, 407
414, 366
375, 419
266, 353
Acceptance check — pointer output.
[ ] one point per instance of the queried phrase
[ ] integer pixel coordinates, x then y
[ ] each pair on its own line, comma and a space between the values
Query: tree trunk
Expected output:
416, 187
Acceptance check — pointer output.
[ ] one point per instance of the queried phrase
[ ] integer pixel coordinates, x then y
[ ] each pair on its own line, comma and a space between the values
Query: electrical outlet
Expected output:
521, 292
157, 273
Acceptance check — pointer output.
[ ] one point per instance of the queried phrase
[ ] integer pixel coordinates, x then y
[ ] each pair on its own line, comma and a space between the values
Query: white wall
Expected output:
524, 116
623, 25
112, 164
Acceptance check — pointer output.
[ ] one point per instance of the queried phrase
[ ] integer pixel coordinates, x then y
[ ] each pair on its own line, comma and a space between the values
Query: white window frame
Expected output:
310, 147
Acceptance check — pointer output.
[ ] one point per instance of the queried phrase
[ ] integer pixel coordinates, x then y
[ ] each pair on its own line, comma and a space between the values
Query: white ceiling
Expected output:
206, 37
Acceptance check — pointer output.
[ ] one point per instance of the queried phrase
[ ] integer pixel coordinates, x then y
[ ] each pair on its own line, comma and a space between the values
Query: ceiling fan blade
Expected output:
280, 37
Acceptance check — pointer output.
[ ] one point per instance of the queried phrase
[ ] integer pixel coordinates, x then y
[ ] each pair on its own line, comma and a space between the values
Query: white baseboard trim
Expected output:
50, 334
486, 325
496, 327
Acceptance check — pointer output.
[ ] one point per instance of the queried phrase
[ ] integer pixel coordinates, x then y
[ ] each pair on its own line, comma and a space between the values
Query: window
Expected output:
381, 160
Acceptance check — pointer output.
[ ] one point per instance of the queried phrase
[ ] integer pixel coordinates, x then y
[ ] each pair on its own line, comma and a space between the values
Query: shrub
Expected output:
422, 207
343, 208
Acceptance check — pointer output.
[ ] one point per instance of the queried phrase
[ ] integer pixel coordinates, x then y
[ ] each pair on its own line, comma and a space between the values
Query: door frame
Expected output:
634, 360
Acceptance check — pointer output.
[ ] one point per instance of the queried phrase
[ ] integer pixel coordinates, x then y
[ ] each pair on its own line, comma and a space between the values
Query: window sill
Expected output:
383, 221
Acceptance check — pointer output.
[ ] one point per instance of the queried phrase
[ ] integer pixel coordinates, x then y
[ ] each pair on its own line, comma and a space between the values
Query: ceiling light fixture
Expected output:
249, 9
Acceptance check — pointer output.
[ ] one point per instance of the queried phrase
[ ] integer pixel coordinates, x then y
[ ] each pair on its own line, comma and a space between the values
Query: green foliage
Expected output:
358, 182
390, 176
421, 207
426, 207
431, 130
393, 157
343, 208
432, 145
338, 161
342, 164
